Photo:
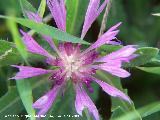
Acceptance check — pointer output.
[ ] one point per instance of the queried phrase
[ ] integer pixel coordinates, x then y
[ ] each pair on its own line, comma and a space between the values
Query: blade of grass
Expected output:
42, 8
46, 30
24, 88
144, 112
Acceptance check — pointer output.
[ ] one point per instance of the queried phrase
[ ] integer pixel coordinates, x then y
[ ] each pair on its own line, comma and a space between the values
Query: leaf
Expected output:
24, 88
9, 102
8, 53
47, 30
119, 107
64, 106
144, 112
75, 15
154, 70
42, 8
149, 109
146, 54
25, 92
106, 49
17, 39
11, 99
72, 9
26, 6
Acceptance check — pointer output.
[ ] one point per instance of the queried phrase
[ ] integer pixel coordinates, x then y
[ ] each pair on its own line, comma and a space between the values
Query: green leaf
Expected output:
72, 9
42, 8
154, 70
149, 109
146, 54
75, 15
24, 88
106, 49
17, 39
25, 92
8, 53
47, 30
11, 99
119, 107
9, 102
26, 6
144, 112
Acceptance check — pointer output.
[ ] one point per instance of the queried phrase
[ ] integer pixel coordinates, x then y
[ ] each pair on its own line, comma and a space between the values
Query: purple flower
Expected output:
75, 65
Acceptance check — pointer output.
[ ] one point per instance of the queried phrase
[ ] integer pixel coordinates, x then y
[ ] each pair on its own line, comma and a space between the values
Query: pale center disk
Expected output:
71, 65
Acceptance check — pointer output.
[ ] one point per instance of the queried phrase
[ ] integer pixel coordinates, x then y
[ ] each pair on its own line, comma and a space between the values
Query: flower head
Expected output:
74, 64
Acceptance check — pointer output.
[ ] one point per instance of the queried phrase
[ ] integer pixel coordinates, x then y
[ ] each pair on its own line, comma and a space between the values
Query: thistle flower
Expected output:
74, 64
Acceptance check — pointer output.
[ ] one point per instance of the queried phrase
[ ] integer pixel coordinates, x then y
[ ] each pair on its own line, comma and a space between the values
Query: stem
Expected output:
87, 114
104, 20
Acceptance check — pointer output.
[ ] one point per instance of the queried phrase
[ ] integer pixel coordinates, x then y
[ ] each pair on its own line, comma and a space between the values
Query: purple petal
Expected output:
34, 16
92, 13
124, 54
45, 102
58, 11
37, 18
105, 38
27, 72
83, 101
89, 57
33, 46
112, 90
114, 27
114, 70
51, 42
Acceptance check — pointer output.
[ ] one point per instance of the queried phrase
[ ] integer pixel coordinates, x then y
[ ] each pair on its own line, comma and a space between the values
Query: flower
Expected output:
74, 64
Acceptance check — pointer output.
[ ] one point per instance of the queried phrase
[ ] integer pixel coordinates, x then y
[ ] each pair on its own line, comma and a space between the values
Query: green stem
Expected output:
87, 114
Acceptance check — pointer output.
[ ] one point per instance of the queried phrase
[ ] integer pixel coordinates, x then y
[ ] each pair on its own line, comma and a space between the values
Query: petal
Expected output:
83, 101
114, 70
27, 72
112, 90
37, 18
34, 16
51, 42
124, 54
33, 46
45, 102
92, 13
58, 11
69, 48
89, 57
105, 38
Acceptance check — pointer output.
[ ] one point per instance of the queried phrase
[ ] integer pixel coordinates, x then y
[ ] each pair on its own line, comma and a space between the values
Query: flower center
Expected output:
71, 64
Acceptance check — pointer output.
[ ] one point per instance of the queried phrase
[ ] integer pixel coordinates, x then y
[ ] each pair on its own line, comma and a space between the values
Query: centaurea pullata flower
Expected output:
74, 64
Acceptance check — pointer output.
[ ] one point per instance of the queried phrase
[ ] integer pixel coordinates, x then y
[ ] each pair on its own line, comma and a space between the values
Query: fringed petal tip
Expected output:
28, 72
112, 91
40, 103
83, 101
93, 11
113, 69
58, 11
33, 16
22, 32
45, 102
